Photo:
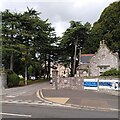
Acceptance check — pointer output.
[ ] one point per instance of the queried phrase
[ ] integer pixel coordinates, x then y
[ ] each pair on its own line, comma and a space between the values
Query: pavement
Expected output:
81, 98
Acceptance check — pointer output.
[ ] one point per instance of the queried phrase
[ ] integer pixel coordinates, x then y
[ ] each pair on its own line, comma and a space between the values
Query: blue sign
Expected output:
105, 84
90, 84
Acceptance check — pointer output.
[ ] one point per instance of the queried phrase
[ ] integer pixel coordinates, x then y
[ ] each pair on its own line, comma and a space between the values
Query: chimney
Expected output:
102, 43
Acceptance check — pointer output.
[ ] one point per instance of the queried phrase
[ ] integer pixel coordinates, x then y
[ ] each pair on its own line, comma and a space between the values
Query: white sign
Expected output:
116, 84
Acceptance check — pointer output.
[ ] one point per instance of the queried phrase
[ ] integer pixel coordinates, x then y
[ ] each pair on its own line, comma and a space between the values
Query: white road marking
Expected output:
16, 94
60, 105
29, 102
12, 114
10, 96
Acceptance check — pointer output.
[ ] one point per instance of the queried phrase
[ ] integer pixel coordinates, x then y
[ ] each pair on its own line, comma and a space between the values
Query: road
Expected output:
23, 102
25, 90
38, 111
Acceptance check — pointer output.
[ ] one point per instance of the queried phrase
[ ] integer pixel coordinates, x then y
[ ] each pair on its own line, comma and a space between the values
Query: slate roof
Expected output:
82, 67
86, 57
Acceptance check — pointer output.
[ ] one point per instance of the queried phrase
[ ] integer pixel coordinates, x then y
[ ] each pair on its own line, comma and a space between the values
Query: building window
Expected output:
102, 69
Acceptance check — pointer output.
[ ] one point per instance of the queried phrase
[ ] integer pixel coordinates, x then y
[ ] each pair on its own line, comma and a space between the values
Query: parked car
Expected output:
32, 77
51, 81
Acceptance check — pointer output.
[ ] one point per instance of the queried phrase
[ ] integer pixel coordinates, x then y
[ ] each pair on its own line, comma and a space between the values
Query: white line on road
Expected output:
11, 96
11, 114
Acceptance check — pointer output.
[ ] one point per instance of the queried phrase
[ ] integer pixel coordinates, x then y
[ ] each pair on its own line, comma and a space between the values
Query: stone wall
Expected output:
77, 83
70, 83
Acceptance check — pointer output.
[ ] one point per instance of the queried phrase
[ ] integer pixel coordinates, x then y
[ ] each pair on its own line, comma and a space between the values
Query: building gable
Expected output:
103, 60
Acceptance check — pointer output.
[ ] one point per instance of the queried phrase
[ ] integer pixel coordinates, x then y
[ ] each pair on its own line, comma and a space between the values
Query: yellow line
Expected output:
39, 92
60, 100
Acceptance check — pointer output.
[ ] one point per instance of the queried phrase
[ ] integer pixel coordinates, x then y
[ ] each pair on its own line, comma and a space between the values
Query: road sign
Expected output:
91, 84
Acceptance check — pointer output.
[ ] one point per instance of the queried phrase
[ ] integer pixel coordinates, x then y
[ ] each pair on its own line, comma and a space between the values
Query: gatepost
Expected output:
55, 77
3, 82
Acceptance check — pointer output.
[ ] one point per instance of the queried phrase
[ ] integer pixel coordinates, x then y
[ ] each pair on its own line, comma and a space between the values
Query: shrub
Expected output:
112, 72
12, 79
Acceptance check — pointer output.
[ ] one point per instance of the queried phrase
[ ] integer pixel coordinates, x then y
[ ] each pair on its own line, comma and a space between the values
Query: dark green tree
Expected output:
9, 33
73, 38
107, 28
29, 39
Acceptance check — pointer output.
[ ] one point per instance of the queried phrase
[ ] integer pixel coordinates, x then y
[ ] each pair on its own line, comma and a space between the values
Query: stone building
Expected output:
83, 68
62, 70
101, 61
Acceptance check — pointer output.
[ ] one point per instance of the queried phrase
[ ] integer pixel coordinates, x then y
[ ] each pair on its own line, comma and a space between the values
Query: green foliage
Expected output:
112, 72
25, 34
107, 28
12, 79
75, 35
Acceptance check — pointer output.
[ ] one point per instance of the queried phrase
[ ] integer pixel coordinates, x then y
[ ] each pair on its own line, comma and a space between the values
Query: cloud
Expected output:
60, 12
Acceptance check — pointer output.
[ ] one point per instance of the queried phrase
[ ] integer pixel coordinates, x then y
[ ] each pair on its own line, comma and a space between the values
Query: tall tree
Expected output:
72, 39
28, 38
108, 28
9, 33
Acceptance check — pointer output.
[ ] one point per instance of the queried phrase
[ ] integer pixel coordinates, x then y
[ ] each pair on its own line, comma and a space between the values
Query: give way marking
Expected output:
12, 114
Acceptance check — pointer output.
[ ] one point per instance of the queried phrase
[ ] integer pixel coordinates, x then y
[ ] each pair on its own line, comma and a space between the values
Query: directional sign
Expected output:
91, 84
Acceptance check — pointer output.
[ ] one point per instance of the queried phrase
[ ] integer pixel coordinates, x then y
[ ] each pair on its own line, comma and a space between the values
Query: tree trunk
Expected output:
74, 64
48, 72
11, 57
26, 74
11, 61
79, 57
40, 69
45, 66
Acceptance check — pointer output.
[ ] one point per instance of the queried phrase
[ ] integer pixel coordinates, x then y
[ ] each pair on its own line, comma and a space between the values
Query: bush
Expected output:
112, 72
12, 79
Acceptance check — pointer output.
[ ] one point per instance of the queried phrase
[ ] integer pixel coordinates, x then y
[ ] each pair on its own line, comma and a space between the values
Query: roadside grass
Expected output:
22, 81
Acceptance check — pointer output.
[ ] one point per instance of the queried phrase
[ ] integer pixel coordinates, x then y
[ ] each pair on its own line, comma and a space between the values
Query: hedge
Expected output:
12, 79
112, 72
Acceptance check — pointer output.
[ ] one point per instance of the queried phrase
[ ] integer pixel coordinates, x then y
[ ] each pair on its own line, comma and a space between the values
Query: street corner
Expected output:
49, 97
59, 100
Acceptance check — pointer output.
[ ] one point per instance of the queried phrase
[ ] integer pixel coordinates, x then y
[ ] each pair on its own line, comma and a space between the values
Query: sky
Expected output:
60, 12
